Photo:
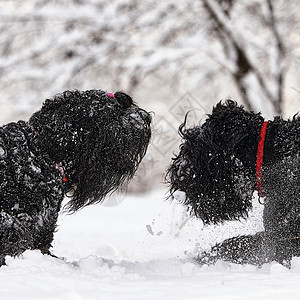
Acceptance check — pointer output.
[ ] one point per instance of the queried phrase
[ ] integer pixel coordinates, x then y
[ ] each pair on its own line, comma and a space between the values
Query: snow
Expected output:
139, 250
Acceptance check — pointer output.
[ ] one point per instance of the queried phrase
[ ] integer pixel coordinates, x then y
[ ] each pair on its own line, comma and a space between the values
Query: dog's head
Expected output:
216, 164
99, 138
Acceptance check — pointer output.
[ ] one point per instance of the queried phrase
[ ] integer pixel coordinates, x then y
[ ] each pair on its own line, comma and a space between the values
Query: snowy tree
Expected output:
49, 46
259, 78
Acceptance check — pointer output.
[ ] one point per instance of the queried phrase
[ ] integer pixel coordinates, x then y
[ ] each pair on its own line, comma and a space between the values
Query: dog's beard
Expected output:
109, 162
217, 185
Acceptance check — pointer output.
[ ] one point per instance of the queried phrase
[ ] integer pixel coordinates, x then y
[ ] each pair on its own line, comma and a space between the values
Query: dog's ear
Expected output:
236, 139
124, 100
233, 125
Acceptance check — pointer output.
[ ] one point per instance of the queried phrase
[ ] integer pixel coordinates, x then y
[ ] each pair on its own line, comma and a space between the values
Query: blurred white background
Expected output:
171, 56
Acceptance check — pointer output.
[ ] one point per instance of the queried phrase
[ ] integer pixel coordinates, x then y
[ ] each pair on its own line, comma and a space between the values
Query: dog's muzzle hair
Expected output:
98, 140
211, 179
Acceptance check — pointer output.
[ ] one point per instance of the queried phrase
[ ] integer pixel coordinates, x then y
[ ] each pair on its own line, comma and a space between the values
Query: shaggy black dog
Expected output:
88, 142
218, 168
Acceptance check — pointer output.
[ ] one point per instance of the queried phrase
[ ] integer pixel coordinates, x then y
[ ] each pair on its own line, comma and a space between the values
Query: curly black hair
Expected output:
216, 168
98, 140
92, 141
215, 163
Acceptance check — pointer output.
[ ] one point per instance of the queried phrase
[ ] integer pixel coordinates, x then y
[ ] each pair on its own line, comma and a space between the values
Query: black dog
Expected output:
219, 167
89, 142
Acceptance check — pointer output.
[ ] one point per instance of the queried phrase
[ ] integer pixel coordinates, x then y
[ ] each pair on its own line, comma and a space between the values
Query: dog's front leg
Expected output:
247, 249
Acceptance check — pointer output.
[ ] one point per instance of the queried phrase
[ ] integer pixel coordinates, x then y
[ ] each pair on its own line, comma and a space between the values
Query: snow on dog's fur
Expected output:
88, 143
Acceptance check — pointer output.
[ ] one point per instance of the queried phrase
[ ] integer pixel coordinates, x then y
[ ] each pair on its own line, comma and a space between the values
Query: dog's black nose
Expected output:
124, 100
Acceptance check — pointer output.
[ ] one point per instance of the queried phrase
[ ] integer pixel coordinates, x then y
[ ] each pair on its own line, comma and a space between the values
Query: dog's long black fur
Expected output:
216, 168
98, 140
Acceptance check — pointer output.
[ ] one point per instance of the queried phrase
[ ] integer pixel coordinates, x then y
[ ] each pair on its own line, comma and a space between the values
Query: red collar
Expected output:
259, 159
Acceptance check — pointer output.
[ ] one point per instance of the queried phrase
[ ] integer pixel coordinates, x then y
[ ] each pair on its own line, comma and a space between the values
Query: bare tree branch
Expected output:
244, 64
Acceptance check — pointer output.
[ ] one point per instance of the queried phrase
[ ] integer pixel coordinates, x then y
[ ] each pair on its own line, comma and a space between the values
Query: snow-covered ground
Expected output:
138, 250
